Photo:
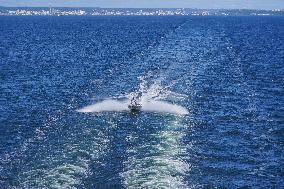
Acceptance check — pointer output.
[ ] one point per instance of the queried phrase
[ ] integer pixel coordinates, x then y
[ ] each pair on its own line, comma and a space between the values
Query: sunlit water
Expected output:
212, 102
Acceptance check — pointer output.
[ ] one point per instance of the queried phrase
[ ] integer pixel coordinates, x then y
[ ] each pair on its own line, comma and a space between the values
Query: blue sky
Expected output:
250, 4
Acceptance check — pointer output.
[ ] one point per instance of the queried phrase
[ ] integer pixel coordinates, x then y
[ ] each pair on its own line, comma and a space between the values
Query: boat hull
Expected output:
135, 108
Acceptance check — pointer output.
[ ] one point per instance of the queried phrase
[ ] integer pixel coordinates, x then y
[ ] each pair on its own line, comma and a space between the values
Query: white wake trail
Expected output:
163, 107
147, 106
106, 106
153, 99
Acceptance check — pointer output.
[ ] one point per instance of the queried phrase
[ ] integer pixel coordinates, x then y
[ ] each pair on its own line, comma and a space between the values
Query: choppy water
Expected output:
212, 102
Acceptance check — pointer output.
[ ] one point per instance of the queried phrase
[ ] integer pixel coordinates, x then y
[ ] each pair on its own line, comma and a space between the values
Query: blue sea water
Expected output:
220, 123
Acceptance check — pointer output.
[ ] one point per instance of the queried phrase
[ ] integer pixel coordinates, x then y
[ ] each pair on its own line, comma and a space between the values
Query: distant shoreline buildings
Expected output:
50, 11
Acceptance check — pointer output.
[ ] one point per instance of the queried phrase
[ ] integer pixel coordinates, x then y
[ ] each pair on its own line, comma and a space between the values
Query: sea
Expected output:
211, 91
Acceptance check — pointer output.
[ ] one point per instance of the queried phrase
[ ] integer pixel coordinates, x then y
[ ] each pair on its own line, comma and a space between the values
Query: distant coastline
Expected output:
97, 11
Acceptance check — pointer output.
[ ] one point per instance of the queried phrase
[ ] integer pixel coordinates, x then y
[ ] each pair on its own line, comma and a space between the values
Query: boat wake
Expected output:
111, 105
106, 106
152, 97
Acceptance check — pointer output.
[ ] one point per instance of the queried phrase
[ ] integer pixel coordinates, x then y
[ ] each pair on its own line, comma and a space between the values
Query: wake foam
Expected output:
154, 98
147, 106
106, 106
163, 107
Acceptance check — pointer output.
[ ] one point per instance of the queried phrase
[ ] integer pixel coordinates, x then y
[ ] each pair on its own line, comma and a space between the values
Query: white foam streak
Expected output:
163, 166
147, 106
162, 106
106, 106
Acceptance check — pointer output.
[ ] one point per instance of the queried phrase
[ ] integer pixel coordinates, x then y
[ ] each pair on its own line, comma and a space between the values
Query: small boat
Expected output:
134, 105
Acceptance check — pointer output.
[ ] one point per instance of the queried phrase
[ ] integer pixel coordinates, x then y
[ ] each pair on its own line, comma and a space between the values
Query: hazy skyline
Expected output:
214, 4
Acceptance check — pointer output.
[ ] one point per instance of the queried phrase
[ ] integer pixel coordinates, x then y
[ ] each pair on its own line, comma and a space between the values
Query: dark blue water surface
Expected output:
228, 72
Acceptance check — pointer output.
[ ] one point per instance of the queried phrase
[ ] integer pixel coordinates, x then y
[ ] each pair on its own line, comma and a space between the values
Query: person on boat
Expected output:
134, 102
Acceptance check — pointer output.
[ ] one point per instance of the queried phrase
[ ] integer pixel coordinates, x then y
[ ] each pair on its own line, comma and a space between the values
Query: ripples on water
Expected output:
213, 90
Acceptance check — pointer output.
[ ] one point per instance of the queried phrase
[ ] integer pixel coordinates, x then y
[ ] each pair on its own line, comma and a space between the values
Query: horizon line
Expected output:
282, 9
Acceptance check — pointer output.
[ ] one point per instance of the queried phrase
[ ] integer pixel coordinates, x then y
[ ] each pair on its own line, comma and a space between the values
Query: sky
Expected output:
214, 4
